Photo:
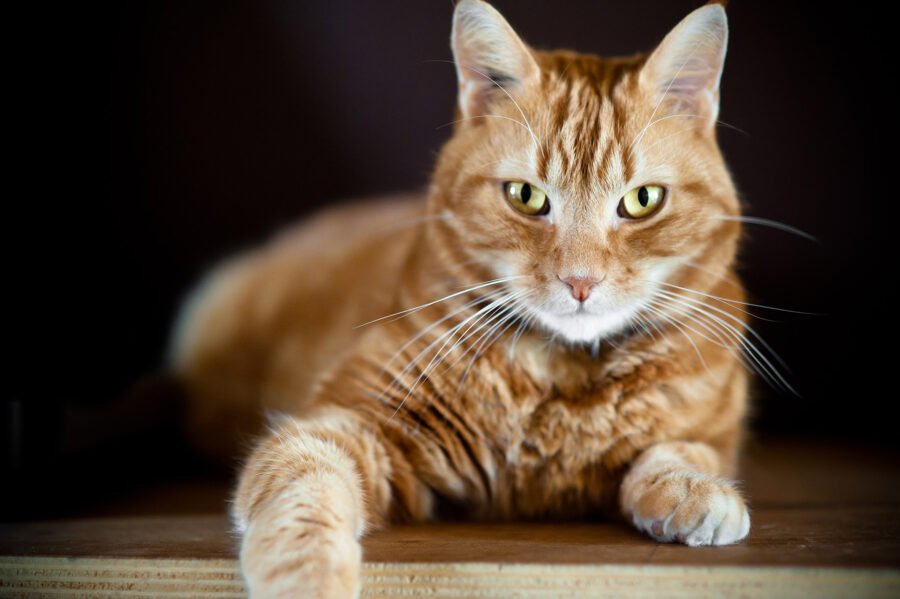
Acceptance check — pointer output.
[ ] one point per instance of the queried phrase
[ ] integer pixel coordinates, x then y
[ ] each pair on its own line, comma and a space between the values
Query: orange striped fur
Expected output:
536, 406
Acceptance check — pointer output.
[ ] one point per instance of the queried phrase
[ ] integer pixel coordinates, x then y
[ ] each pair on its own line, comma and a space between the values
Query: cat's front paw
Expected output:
301, 561
688, 507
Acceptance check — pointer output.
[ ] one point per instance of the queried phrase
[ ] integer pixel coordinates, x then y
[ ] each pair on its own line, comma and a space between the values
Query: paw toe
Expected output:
693, 509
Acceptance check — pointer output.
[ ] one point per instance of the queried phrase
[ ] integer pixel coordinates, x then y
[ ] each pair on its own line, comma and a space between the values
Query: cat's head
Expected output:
589, 182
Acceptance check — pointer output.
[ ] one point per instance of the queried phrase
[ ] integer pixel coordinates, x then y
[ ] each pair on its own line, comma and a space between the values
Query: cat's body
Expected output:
567, 358
297, 301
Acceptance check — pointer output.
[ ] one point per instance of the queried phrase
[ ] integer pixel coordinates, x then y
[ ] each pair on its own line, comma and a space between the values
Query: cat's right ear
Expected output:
491, 60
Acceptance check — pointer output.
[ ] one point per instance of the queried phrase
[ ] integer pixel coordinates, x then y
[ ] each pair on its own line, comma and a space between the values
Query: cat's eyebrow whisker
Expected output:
540, 147
643, 132
534, 138
485, 116
407, 311
767, 222
493, 162
659, 141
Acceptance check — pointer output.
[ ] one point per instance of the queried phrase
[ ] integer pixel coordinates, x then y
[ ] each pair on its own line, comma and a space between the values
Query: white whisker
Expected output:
528, 126
757, 363
766, 222
731, 301
755, 353
491, 335
473, 330
659, 120
487, 116
523, 326
701, 304
402, 313
719, 276
674, 322
432, 326
440, 354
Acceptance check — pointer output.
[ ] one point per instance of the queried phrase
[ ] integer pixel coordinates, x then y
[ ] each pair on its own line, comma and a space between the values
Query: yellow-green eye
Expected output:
641, 201
527, 198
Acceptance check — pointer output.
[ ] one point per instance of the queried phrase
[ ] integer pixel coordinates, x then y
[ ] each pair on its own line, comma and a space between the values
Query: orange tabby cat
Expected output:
575, 342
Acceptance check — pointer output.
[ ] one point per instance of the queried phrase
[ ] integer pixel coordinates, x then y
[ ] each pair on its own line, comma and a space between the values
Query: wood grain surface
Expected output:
826, 523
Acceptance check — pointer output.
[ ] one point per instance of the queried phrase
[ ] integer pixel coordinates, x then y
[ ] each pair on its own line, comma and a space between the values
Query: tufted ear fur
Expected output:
684, 70
491, 60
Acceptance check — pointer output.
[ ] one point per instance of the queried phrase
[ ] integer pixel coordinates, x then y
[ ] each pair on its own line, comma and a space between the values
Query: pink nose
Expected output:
580, 286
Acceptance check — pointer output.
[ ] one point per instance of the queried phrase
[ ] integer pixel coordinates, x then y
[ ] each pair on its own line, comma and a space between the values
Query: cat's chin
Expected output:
587, 327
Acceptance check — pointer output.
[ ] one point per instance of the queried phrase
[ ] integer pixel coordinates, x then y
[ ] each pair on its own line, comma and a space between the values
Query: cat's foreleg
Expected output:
675, 493
306, 495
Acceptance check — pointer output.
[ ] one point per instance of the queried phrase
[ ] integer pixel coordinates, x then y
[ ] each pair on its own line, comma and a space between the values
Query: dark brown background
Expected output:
158, 137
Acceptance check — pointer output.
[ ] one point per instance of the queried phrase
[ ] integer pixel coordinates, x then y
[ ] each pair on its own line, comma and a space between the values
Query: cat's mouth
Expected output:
585, 323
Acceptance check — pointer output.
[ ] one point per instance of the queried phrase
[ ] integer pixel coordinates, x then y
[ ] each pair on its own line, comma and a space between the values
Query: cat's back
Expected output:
262, 327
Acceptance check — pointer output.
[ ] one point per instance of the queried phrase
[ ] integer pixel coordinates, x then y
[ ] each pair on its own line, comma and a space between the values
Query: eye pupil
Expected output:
525, 193
641, 202
529, 200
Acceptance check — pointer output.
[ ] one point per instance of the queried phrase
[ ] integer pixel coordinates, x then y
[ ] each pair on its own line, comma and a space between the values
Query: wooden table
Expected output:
826, 523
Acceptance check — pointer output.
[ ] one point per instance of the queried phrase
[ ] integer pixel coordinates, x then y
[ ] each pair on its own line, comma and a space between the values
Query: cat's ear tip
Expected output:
474, 9
466, 5
467, 9
711, 17
714, 9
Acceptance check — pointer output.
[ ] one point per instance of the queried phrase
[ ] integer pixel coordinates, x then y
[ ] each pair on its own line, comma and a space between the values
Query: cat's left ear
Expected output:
491, 60
683, 73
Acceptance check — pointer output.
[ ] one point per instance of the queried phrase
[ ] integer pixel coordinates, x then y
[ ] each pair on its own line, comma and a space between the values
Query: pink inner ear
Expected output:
483, 87
687, 65
691, 92
489, 56
696, 76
